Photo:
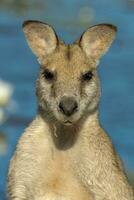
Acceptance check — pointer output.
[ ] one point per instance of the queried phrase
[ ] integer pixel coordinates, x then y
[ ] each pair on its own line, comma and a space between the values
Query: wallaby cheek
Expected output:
43, 91
90, 96
89, 90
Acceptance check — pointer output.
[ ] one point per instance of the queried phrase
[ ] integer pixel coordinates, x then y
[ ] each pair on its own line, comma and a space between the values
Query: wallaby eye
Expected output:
48, 75
87, 76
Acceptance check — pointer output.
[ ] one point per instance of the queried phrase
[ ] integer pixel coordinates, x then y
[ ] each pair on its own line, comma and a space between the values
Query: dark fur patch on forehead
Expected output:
68, 53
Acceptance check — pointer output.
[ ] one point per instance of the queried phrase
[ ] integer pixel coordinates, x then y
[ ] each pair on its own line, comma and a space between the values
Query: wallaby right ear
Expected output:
40, 37
97, 40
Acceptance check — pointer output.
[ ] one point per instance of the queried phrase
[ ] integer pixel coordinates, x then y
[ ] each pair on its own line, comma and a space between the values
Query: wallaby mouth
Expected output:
68, 123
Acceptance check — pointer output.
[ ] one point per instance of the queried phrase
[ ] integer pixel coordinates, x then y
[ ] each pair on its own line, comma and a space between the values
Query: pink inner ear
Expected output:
94, 48
96, 40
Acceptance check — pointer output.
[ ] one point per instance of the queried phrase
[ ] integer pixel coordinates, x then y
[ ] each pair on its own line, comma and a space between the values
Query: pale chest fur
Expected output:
85, 169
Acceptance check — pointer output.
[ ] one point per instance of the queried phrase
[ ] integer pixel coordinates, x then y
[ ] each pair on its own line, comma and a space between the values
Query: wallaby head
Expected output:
68, 86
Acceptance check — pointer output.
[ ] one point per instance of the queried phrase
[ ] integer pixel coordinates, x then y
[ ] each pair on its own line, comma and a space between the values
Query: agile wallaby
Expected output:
64, 154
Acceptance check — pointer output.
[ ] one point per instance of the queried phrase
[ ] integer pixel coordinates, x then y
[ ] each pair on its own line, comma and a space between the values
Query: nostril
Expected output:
61, 106
68, 106
75, 106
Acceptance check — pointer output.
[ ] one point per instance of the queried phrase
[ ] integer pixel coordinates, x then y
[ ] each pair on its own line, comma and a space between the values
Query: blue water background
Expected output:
19, 67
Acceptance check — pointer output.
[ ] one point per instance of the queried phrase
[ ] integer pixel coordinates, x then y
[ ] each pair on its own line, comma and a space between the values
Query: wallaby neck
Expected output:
64, 137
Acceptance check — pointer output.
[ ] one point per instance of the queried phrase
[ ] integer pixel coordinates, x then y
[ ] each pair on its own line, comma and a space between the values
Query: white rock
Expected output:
6, 91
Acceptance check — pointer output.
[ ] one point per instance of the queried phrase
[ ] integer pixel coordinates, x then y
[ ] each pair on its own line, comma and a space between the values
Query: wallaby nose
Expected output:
68, 105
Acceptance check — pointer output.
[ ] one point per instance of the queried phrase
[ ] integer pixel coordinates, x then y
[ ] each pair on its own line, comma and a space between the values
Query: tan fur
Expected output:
55, 160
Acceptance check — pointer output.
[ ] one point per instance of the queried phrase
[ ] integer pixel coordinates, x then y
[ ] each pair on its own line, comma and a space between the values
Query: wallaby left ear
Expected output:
97, 39
41, 37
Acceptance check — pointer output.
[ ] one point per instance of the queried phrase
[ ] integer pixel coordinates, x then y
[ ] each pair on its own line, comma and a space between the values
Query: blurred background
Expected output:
19, 68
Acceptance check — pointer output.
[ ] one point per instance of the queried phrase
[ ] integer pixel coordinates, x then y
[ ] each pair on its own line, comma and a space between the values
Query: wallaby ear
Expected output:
97, 39
40, 37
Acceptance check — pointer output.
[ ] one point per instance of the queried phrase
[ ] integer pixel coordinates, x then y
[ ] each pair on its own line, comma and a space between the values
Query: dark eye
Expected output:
48, 75
87, 76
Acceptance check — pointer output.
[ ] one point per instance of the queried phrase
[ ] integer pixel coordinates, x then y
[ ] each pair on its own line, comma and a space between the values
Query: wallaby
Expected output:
65, 154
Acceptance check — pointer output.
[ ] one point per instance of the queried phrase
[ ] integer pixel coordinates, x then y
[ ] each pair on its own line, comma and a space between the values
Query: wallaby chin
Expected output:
64, 154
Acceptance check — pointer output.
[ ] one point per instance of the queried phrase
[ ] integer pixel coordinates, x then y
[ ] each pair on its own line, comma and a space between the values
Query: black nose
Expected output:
68, 105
